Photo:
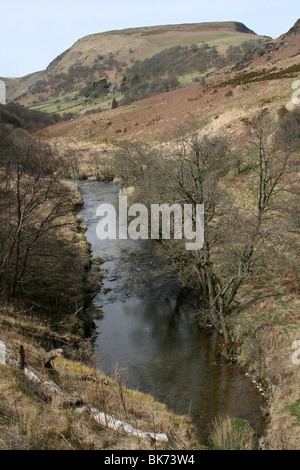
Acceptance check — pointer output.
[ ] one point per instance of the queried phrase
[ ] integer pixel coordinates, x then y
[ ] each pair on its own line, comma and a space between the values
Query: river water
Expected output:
147, 329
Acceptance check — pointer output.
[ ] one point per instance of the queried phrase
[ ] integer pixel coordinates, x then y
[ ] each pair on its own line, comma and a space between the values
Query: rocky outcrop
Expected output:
256, 52
241, 28
294, 30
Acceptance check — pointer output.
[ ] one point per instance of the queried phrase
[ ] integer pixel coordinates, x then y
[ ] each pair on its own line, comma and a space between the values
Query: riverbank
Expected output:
279, 383
263, 333
29, 421
147, 328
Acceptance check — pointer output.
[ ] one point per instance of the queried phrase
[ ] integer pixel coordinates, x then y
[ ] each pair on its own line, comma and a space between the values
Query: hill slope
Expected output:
108, 54
135, 43
220, 103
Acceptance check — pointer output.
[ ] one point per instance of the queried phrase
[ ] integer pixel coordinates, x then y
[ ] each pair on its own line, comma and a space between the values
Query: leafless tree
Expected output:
35, 206
236, 233
100, 166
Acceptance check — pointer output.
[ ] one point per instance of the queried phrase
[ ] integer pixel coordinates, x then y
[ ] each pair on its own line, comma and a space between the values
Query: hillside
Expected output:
284, 50
221, 101
136, 43
107, 55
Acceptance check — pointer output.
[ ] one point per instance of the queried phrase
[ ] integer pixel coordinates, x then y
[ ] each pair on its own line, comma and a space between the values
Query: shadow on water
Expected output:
147, 329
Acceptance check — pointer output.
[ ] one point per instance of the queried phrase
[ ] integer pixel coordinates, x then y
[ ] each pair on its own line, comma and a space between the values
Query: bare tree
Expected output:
35, 206
236, 234
100, 166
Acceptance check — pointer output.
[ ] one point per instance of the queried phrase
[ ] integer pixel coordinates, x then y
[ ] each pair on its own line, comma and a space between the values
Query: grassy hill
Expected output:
221, 100
109, 55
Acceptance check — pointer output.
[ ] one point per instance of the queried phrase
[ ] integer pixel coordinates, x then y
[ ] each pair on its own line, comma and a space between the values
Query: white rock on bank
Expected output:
2, 352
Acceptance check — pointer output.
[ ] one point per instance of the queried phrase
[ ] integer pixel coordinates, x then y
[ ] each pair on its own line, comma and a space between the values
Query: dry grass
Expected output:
232, 434
28, 422
264, 334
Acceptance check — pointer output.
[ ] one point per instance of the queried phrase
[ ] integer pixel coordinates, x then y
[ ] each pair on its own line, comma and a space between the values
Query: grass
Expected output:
98, 259
294, 410
221, 40
60, 105
264, 335
232, 434
29, 423
262, 75
187, 79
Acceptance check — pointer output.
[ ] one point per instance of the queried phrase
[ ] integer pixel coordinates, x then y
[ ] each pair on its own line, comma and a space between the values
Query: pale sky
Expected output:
34, 32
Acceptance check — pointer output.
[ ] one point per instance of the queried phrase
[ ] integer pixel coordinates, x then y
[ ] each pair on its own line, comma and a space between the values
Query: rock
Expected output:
261, 443
3, 352
295, 29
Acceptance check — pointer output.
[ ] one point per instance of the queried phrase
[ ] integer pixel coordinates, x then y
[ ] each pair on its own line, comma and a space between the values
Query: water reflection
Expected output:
147, 329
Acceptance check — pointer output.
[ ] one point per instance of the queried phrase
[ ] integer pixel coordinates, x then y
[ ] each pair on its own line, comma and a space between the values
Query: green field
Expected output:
62, 104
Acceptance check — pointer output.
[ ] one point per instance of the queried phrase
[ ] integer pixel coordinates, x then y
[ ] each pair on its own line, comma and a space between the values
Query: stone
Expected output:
2, 92
2, 352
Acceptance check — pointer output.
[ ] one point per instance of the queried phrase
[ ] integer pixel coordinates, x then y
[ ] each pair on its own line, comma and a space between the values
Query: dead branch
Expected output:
89, 376
51, 356
48, 389
115, 424
21, 357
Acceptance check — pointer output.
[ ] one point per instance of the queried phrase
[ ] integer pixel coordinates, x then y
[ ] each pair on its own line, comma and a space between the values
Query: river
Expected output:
147, 329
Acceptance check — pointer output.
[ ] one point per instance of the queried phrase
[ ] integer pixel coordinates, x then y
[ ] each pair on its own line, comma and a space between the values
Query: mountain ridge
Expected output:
213, 25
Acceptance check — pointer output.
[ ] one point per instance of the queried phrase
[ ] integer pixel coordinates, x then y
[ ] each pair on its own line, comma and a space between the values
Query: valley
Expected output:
204, 113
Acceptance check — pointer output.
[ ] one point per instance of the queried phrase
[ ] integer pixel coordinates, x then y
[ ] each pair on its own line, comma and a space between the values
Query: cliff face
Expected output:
241, 28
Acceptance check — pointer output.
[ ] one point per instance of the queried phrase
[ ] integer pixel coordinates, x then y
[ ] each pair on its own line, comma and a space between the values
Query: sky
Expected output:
33, 33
